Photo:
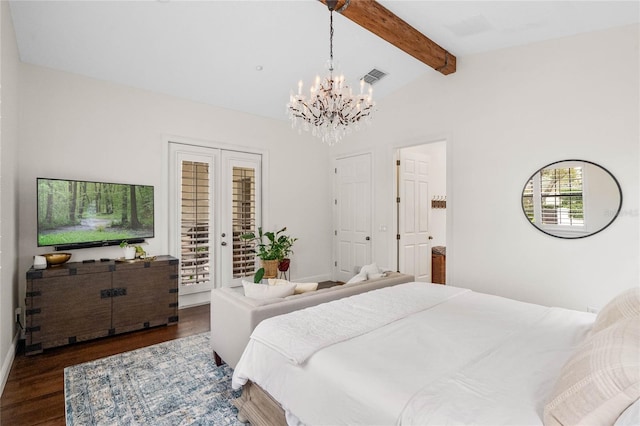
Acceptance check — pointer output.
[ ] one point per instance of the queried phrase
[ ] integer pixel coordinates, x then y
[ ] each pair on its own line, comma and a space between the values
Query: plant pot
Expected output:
270, 268
284, 264
129, 252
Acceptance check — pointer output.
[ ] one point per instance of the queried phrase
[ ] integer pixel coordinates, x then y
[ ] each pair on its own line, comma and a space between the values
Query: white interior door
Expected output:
352, 215
413, 216
214, 198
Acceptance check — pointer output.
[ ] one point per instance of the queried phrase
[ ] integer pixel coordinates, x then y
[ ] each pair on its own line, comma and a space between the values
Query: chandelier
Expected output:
331, 110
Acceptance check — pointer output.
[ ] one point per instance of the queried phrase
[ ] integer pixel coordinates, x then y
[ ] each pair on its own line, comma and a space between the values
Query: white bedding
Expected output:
474, 358
302, 333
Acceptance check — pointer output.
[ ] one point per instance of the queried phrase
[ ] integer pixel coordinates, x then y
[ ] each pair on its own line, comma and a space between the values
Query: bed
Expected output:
419, 354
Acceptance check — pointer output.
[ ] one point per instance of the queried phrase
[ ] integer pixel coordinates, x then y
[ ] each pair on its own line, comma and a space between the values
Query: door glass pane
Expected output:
195, 213
243, 220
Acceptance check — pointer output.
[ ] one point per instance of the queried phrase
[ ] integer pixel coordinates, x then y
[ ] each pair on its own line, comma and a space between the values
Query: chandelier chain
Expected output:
331, 40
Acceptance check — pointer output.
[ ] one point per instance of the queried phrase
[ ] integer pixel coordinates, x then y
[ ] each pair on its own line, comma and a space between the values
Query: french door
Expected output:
215, 197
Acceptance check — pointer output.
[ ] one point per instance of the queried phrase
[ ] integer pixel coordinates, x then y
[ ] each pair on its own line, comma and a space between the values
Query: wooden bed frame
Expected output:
259, 408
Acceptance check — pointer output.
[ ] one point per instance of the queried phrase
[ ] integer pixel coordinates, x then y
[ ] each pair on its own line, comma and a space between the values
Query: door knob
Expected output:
430, 237
223, 235
367, 238
224, 243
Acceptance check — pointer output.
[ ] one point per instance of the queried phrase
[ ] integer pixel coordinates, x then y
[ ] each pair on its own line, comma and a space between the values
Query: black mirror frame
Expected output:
613, 218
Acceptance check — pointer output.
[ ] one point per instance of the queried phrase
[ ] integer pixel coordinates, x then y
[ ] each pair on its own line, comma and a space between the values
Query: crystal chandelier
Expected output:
331, 110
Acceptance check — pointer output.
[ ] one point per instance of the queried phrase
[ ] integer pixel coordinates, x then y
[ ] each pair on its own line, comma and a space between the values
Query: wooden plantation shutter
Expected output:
527, 201
243, 220
195, 226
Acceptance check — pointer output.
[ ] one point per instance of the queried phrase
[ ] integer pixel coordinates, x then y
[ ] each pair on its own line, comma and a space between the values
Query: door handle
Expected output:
430, 237
224, 243
367, 238
223, 235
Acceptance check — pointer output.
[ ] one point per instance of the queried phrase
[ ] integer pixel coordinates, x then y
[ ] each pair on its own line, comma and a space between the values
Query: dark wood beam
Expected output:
381, 21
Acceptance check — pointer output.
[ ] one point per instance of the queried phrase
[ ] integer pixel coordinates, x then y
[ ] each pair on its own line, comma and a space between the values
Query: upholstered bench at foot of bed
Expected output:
234, 316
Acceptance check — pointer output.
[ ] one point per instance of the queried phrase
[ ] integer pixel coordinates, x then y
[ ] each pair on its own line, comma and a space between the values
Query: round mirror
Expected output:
571, 199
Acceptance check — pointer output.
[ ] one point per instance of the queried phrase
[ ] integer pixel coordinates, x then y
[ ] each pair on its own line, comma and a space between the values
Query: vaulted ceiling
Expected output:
248, 55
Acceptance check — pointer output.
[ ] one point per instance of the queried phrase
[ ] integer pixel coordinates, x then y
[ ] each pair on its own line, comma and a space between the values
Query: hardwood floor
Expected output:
34, 393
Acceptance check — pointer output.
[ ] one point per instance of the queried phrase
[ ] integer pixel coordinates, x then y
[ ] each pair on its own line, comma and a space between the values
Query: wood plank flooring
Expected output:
34, 393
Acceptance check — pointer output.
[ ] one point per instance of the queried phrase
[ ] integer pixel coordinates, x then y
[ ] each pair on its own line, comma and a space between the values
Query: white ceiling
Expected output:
209, 51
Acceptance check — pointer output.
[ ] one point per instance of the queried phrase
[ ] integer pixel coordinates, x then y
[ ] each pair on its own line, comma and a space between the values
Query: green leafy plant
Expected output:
286, 243
124, 244
257, 277
270, 245
140, 252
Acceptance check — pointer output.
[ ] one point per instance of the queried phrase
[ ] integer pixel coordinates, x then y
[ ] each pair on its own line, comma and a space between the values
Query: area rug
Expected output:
172, 383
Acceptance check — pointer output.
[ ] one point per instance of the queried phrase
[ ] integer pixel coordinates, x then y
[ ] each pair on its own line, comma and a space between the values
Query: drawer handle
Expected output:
112, 292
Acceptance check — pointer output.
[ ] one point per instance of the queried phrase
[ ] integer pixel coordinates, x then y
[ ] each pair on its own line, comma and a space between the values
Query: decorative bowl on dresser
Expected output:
56, 259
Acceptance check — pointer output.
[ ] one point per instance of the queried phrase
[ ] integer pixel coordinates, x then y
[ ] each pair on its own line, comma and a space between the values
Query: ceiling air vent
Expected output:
373, 76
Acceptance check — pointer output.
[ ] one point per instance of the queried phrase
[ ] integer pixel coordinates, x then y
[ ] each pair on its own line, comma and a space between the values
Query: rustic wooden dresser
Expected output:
80, 301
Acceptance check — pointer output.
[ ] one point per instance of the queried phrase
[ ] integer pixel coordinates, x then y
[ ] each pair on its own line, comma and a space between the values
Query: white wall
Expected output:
504, 115
81, 128
8, 191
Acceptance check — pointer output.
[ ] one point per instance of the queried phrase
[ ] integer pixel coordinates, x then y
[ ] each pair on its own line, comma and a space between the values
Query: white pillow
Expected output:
305, 287
370, 270
261, 291
367, 272
300, 287
600, 380
357, 279
624, 305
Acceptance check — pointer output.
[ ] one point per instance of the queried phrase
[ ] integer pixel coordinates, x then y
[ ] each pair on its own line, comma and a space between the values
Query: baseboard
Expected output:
201, 303
8, 362
194, 299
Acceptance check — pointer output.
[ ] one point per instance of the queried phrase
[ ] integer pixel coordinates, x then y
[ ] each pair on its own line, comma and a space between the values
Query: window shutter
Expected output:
527, 200
244, 220
194, 236
561, 196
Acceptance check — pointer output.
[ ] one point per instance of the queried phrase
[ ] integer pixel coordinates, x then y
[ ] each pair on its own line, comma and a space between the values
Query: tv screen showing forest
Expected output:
72, 212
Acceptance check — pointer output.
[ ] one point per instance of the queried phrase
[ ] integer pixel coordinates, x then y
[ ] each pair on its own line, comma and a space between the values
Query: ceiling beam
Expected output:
376, 18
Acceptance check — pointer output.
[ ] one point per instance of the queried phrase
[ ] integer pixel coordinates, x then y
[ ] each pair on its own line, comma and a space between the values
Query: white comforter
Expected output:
472, 359
302, 333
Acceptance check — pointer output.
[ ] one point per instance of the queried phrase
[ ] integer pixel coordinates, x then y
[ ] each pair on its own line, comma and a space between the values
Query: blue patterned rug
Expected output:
172, 383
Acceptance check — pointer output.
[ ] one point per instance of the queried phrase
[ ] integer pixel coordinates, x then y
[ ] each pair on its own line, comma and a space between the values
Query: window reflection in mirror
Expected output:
571, 199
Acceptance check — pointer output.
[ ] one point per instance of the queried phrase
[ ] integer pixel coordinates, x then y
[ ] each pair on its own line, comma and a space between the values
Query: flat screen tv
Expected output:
78, 214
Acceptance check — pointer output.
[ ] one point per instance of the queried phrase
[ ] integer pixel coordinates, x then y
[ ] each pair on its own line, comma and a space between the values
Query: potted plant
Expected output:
129, 251
271, 248
140, 253
286, 243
